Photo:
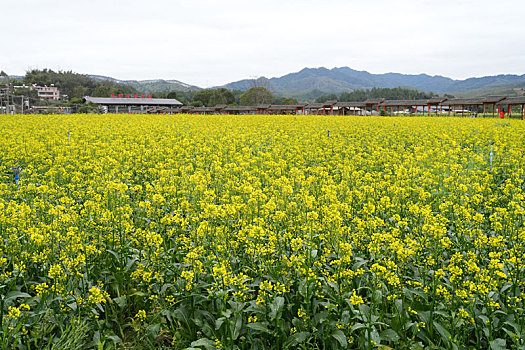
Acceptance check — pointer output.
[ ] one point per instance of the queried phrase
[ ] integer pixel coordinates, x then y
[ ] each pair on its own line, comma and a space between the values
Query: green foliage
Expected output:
256, 96
285, 101
196, 103
397, 93
76, 85
213, 97
311, 95
237, 94
324, 98
27, 92
172, 94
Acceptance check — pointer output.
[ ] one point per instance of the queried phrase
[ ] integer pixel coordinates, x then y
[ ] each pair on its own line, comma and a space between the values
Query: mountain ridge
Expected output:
340, 79
310, 83
150, 85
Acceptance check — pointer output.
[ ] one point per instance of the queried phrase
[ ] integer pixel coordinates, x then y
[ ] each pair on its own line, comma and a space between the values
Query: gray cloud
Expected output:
208, 43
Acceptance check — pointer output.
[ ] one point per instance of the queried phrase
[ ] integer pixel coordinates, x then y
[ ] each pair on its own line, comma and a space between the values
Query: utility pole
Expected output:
22, 102
4, 74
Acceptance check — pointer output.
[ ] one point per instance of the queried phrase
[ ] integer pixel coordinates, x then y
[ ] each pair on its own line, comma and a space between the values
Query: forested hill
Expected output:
76, 85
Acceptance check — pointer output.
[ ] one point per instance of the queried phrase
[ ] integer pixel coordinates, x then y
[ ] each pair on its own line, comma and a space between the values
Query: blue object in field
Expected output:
328, 133
491, 150
17, 178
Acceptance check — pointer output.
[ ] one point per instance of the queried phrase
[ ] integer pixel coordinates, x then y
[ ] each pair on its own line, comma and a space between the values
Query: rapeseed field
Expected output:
261, 232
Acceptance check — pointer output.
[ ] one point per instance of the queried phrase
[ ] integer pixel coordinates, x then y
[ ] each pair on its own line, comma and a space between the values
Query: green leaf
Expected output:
276, 306
359, 262
114, 338
219, 322
510, 323
258, 326
296, 338
445, 335
205, 342
120, 301
365, 312
424, 316
303, 289
505, 287
153, 330
399, 305
389, 335
320, 317
498, 344
340, 337
357, 326
16, 294
238, 328
375, 336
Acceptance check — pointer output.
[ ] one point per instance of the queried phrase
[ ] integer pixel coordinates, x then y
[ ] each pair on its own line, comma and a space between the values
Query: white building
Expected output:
48, 92
44, 92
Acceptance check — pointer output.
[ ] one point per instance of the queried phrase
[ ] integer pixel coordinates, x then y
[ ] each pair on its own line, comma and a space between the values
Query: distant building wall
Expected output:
48, 92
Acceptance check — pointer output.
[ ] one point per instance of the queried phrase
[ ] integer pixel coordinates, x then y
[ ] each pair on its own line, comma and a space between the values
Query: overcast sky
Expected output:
208, 43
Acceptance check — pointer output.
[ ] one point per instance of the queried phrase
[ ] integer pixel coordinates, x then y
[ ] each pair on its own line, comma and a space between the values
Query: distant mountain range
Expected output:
151, 86
310, 83
13, 77
337, 80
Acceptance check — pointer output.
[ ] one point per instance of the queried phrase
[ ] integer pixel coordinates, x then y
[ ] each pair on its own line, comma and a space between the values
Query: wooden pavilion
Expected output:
390, 105
491, 101
436, 103
513, 101
349, 108
472, 104
240, 110
286, 109
373, 104
203, 110
324, 108
263, 109
218, 109
313, 108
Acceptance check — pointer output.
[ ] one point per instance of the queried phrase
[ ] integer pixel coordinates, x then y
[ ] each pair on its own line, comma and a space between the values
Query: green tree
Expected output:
196, 103
256, 96
172, 94
397, 93
285, 101
213, 97
76, 85
104, 89
327, 97
27, 92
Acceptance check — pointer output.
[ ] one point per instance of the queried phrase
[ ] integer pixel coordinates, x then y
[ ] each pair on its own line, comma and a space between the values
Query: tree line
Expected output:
222, 96
397, 93
76, 85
